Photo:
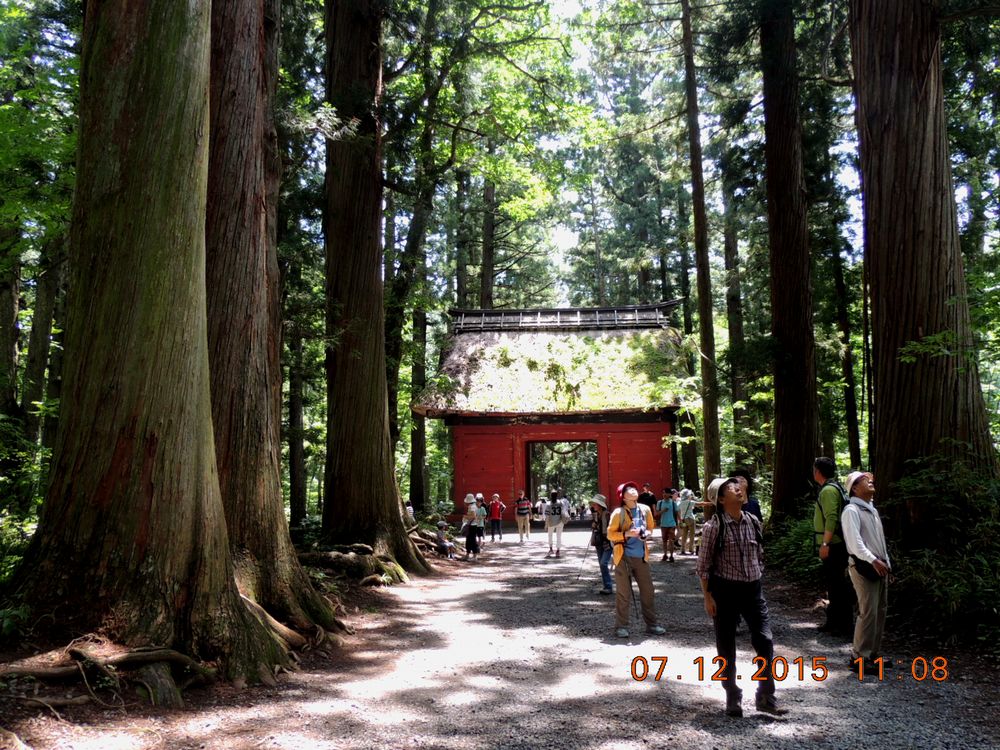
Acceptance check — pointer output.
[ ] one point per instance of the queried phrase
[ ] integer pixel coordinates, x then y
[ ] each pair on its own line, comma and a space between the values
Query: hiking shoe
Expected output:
655, 629
663, 559
621, 632
551, 554
557, 553
733, 704
768, 704
606, 591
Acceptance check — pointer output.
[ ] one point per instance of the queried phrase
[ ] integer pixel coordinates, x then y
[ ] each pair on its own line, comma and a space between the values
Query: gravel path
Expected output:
516, 651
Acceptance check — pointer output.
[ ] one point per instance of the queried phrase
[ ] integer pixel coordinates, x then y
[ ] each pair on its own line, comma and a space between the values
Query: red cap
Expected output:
623, 485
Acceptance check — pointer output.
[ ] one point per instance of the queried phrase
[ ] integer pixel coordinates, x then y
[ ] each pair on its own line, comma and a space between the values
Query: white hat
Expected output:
470, 499
712, 493
853, 477
442, 524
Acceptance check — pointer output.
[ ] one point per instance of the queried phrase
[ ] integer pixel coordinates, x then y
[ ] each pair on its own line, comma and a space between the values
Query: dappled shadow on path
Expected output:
517, 651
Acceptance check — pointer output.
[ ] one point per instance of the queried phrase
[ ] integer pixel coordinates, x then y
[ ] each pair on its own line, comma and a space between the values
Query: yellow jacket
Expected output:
620, 523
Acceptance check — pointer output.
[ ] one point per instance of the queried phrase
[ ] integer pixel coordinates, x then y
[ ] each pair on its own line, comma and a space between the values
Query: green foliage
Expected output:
951, 588
13, 621
791, 549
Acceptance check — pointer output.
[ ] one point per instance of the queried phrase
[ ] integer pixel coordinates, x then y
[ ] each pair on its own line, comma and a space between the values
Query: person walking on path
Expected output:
666, 515
628, 528
831, 549
522, 512
496, 510
685, 511
481, 514
869, 566
556, 515
730, 565
471, 528
599, 538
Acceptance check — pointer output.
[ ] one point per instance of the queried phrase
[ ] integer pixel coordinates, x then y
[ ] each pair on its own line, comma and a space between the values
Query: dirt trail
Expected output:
516, 652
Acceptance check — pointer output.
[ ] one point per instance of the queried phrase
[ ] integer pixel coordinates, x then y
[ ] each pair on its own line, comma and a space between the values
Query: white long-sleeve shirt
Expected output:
863, 532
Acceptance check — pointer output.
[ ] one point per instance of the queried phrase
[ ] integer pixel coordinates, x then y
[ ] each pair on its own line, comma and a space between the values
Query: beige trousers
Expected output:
523, 526
637, 568
873, 600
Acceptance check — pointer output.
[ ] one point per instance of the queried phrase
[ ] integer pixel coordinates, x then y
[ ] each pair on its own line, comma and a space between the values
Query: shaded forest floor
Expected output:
517, 651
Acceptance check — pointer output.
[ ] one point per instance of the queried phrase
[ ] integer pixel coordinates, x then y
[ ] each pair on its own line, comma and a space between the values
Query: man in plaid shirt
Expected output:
730, 569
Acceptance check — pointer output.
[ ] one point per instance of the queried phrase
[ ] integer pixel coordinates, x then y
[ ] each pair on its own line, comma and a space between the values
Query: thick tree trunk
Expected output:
296, 433
795, 414
361, 502
489, 244
689, 450
706, 323
47, 288
132, 537
932, 402
244, 312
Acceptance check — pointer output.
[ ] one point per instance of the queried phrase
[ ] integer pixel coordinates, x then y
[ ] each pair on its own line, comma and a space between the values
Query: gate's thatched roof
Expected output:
555, 362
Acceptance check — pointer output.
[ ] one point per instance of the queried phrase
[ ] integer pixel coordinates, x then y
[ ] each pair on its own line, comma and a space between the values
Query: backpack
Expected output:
843, 503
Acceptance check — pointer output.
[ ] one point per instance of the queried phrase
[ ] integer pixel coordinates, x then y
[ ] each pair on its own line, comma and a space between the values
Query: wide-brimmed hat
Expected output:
623, 485
479, 496
687, 494
470, 499
712, 493
853, 477
599, 499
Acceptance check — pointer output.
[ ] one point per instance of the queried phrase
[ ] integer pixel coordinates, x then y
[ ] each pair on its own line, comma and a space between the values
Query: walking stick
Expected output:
586, 553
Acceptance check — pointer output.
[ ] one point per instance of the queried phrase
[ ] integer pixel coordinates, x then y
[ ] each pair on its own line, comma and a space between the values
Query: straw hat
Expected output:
712, 493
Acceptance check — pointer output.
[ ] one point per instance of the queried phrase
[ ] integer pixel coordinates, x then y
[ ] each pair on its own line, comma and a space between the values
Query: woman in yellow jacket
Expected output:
629, 527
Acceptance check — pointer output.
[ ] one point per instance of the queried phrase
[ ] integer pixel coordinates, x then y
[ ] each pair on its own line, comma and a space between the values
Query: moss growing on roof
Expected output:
550, 372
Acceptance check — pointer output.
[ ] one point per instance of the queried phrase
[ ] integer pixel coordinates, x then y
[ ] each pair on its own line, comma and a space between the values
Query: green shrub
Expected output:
790, 549
951, 588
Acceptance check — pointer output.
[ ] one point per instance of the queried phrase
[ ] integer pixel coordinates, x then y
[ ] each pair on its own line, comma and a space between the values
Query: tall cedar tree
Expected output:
706, 321
244, 311
933, 403
795, 415
362, 501
132, 537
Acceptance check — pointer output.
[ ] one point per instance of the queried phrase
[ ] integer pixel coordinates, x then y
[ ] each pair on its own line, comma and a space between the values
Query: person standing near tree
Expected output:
599, 539
666, 515
471, 528
522, 512
496, 510
730, 566
556, 515
685, 511
869, 566
831, 549
630, 525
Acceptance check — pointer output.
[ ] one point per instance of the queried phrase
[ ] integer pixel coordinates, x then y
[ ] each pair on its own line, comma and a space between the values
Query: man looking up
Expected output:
730, 565
869, 565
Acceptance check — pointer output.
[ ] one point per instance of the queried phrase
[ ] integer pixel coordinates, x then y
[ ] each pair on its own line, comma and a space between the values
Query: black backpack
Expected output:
720, 538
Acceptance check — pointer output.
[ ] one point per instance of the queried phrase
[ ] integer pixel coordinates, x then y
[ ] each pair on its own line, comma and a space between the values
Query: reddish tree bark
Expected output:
933, 402
244, 311
796, 434
361, 502
132, 537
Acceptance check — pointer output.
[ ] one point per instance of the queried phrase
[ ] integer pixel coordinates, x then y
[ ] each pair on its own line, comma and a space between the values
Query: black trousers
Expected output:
735, 599
839, 591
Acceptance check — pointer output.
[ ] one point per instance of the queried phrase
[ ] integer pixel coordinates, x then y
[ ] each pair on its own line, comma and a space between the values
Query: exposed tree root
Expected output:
289, 637
369, 569
10, 741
